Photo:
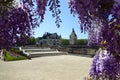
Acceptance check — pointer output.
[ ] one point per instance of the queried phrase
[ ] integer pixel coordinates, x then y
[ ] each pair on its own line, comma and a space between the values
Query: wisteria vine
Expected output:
19, 17
101, 19
96, 14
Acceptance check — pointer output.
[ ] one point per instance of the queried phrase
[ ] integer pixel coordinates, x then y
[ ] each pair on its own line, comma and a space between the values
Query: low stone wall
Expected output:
83, 51
77, 49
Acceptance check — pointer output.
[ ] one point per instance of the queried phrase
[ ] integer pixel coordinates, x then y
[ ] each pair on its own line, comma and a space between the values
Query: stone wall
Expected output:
83, 51
77, 49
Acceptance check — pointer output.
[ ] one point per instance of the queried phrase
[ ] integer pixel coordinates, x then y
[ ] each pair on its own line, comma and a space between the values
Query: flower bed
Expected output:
13, 54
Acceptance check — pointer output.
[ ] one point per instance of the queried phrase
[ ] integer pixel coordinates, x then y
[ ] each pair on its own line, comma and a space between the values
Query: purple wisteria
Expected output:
105, 66
95, 14
101, 19
37, 8
19, 17
13, 25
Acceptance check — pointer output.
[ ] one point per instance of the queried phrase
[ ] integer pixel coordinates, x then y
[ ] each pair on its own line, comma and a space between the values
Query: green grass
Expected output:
9, 57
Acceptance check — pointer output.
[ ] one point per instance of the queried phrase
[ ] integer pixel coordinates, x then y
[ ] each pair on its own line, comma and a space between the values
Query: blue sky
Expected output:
68, 22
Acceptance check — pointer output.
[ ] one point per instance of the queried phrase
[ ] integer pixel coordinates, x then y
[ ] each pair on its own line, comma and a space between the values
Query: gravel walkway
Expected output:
64, 67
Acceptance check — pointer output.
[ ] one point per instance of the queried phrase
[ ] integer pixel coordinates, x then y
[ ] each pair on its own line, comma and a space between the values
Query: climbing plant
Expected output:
100, 18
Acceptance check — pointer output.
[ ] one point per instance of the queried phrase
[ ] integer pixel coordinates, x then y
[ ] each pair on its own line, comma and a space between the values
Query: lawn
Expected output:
12, 55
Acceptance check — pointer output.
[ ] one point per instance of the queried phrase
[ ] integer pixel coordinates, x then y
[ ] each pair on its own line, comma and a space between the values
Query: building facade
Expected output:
50, 39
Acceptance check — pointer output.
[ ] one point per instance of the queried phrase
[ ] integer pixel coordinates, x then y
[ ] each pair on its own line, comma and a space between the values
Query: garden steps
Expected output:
39, 52
34, 47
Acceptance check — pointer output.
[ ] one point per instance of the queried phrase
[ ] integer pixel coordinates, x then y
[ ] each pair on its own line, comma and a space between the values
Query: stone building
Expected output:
50, 39
73, 38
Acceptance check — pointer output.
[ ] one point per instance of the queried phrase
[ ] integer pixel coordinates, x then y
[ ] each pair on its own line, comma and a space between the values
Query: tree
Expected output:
82, 41
32, 41
64, 41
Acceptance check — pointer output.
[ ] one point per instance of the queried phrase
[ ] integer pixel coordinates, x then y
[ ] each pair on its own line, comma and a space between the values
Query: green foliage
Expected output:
12, 57
79, 41
64, 41
16, 50
32, 41
82, 41
37, 39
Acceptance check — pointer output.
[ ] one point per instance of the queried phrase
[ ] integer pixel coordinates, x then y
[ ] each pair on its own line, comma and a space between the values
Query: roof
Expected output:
51, 36
73, 33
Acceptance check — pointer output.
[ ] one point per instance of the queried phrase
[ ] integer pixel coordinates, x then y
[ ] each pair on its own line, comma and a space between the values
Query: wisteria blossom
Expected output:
101, 19
18, 18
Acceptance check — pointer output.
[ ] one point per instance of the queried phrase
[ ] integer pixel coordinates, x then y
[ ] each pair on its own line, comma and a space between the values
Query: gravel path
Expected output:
64, 67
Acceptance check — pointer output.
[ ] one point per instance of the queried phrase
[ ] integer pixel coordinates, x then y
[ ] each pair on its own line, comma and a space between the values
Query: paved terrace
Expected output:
58, 67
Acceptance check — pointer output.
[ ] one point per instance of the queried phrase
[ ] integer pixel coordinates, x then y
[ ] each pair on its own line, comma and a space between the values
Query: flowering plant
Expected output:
101, 19
19, 17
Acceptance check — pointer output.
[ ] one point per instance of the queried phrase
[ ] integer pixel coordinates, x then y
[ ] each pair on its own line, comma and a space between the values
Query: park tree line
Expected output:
32, 41
79, 42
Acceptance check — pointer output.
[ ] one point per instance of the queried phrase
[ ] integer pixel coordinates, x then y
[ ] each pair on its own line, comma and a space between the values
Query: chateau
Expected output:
50, 39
